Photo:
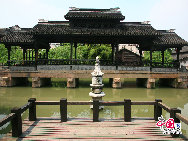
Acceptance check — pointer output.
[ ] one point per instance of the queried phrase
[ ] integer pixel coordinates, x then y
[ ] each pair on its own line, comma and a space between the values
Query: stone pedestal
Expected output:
38, 82
12, 81
72, 82
116, 83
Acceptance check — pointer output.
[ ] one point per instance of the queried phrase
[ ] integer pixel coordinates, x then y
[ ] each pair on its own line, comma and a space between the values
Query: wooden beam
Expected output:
182, 118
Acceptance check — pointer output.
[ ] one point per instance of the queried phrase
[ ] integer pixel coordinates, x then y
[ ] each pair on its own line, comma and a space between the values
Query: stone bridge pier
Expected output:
38, 82
146, 82
181, 82
72, 82
13, 81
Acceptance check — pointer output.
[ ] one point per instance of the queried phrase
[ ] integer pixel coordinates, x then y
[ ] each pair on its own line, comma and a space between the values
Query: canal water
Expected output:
18, 96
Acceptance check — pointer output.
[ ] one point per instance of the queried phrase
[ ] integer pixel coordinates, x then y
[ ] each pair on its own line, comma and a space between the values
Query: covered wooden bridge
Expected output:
90, 26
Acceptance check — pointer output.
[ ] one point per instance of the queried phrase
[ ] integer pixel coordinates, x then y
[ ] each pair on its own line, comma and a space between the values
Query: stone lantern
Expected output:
97, 85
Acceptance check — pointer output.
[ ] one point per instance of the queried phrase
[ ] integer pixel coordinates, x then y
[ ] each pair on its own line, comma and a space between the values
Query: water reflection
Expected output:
18, 96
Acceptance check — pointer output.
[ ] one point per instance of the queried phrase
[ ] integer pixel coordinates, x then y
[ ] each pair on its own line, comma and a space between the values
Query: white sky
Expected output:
163, 14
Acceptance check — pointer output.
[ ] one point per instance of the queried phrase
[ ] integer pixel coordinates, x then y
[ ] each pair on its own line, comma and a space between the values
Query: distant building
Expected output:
183, 57
130, 47
54, 45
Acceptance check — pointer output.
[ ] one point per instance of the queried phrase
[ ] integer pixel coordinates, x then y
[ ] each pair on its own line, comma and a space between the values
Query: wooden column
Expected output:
127, 110
26, 54
178, 54
16, 122
71, 44
116, 51
151, 58
157, 109
36, 57
32, 109
75, 45
9, 49
173, 112
117, 47
24, 51
140, 52
96, 110
162, 53
29, 54
112, 59
47, 50
32, 54
63, 109
36, 54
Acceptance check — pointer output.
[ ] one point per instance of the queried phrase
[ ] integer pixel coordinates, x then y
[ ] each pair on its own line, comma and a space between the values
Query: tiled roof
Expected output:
20, 36
169, 39
122, 29
2, 32
79, 13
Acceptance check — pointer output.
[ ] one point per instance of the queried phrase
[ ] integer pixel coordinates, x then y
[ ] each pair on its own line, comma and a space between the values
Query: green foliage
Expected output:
16, 53
3, 54
61, 52
83, 51
104, 51
157, 56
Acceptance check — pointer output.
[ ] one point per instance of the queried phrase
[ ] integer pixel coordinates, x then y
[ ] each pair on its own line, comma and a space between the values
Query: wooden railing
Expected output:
173, 64
174, 113
16, 118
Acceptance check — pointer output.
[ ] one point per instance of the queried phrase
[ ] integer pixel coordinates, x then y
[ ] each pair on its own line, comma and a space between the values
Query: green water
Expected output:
18, 96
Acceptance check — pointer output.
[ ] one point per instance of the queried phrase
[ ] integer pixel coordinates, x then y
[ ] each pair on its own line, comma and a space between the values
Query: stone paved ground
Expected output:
85, 129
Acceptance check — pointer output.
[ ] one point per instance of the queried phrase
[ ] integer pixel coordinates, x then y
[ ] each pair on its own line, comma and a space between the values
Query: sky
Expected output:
163, 14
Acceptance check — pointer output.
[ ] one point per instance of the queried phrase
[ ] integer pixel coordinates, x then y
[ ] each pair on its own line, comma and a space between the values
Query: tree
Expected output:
3, 54
104, 51
157, 56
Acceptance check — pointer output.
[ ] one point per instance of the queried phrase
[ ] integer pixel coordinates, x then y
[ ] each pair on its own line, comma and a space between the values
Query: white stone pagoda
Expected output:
97, 85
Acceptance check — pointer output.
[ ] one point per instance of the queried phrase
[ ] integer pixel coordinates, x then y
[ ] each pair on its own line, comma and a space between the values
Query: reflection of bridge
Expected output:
36, 128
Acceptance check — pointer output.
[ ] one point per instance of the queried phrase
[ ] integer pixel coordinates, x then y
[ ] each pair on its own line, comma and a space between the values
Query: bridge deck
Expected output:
86, 129
87, 74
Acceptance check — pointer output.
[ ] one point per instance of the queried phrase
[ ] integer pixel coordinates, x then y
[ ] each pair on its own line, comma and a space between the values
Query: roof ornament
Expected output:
42, 21
171, 30
146, 22
114, 9
73, 8
15, 28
